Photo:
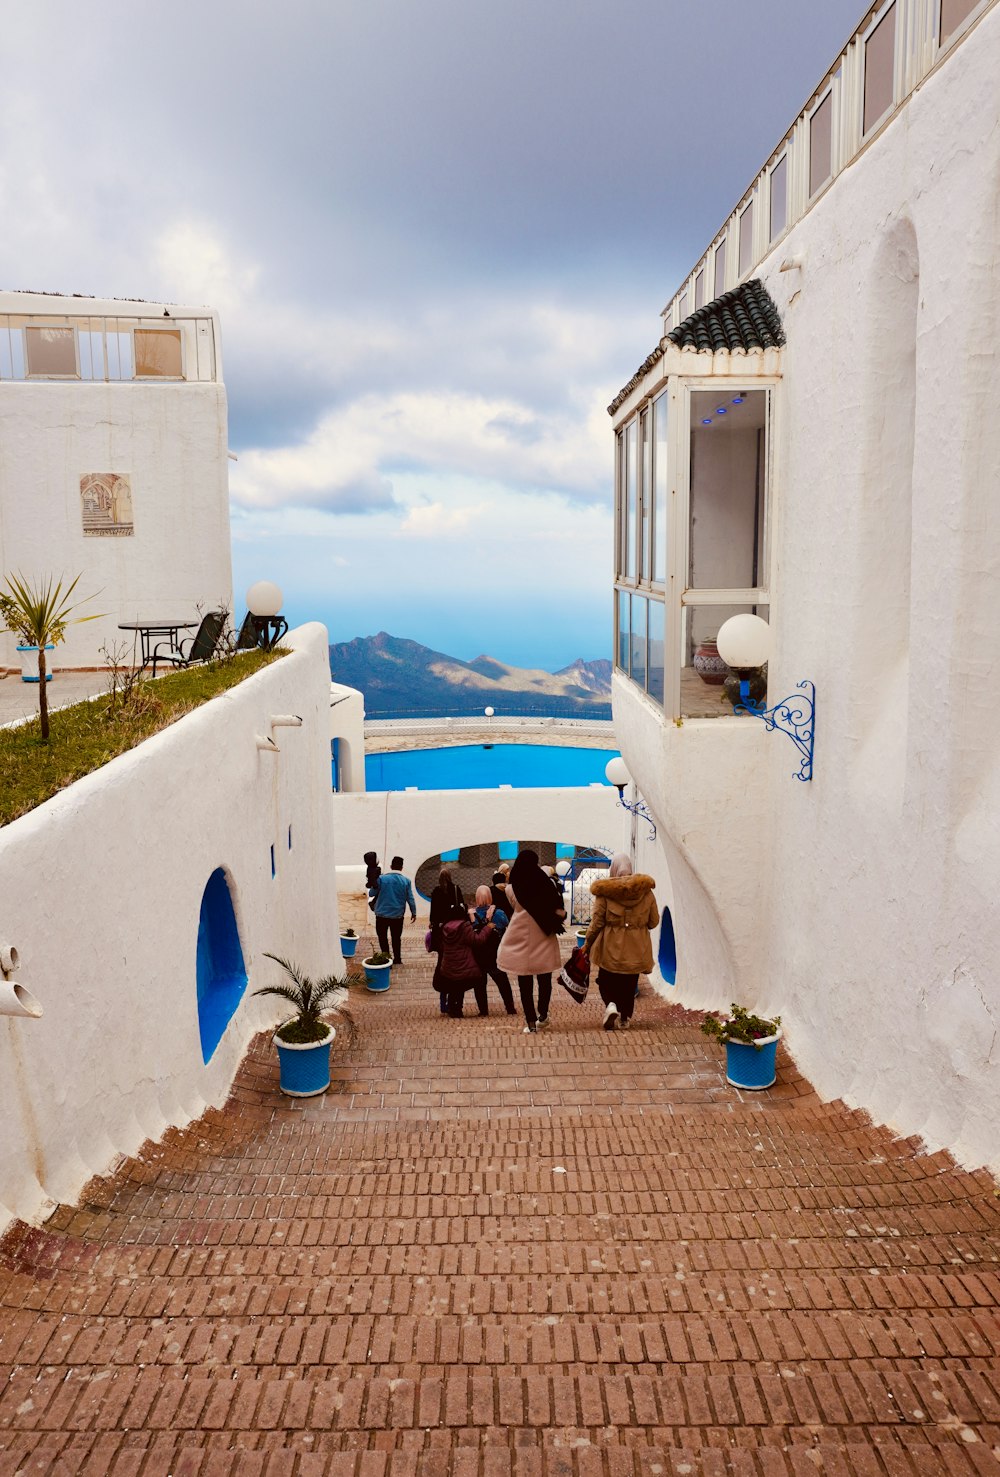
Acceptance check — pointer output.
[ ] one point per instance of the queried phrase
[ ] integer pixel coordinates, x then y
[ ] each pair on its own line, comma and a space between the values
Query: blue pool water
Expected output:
484, 767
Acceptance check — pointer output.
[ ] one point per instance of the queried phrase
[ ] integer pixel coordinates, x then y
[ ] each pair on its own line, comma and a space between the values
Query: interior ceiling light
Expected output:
707, 421
738, 399
720, 410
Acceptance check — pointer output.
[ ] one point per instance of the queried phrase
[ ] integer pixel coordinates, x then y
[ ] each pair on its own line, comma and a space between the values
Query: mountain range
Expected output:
400, 677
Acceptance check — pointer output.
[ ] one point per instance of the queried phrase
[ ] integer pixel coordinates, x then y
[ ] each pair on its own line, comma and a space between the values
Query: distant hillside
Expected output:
401, 677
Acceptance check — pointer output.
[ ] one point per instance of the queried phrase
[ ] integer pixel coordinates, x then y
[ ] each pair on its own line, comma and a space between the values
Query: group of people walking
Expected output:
513, 928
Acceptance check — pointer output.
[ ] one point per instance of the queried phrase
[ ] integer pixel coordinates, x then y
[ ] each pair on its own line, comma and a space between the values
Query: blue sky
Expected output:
439, 236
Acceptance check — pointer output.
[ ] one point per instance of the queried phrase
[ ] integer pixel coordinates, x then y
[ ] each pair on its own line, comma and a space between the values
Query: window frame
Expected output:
783, 160
827, 97
41, 374
175, 331
881, 15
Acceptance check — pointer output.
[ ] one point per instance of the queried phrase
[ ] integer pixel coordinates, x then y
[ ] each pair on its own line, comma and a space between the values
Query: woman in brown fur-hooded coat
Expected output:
618, 939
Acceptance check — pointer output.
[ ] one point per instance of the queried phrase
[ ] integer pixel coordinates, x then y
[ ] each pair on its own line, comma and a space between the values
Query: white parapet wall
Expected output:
101, 893
417, 824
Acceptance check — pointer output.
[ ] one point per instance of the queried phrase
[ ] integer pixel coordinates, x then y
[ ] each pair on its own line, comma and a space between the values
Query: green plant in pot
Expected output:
751, 1043
377, 967
39, 613
304, 1041
348, 942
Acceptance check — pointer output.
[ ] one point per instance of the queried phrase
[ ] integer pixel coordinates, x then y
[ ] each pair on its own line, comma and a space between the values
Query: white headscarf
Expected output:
621, 865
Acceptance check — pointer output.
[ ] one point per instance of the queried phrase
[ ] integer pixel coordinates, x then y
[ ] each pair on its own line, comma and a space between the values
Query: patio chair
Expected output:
249, 636
200, 648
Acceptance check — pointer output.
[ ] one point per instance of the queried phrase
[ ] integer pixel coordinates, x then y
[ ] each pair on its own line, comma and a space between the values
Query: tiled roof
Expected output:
743, 319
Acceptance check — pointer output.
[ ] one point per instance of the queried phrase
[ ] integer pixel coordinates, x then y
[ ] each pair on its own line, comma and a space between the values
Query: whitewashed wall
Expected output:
172, 440
100, 891
418, 824
862, 906
347, 726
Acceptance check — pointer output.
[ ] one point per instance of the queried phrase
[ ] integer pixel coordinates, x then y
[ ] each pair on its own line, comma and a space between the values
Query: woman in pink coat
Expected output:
530, 946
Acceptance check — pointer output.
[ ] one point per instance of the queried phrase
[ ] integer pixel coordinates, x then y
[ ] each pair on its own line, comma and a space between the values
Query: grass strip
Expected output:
92, 733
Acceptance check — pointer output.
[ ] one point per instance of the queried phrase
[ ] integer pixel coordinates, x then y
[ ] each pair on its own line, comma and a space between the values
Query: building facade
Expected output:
813, 441
113, 461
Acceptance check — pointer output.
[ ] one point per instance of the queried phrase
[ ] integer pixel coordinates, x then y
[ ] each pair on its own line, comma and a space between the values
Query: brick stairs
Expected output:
482, 1253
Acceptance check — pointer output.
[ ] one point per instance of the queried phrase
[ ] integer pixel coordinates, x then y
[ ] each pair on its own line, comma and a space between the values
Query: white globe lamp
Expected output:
616, 773
744, 641
264, 599
562, 868
488, 712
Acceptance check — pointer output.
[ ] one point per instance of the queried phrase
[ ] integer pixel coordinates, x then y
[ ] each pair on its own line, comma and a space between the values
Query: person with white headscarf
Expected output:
618, 939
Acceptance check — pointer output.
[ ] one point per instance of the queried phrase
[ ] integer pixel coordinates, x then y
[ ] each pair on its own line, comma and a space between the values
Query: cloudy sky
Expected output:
439, 234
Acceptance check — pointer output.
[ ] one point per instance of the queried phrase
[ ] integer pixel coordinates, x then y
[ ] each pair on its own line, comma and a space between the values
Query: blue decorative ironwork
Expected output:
640, 809
794, 715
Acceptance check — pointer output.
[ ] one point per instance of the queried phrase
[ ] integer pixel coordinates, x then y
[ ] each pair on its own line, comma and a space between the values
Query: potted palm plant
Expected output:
751, 1043
39, 614
377, 967
303, 1041
348, 942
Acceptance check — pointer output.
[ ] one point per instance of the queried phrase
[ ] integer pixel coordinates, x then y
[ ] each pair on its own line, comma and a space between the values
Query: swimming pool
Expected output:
487, 766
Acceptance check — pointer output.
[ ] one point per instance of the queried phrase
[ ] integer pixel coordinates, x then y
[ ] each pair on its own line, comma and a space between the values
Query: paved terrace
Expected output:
492, 1255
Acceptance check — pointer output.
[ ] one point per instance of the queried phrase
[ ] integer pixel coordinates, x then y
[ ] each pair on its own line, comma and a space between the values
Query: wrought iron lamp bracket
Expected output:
639, 808
795, 716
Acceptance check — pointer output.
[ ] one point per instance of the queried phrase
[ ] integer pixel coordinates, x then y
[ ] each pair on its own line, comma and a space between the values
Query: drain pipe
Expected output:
15, 999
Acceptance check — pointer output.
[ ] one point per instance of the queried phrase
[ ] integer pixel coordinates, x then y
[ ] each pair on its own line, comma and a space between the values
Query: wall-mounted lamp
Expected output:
264, 600
617, 773
15, 999
744, 643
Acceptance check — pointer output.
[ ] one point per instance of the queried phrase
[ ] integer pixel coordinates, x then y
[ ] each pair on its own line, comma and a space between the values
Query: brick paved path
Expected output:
492, 1255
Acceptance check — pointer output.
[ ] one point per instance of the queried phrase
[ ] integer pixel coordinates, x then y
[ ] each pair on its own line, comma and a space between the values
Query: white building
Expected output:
113, 461
815, 439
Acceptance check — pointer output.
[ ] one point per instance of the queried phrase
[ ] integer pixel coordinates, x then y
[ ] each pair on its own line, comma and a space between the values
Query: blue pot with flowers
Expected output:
751, 1043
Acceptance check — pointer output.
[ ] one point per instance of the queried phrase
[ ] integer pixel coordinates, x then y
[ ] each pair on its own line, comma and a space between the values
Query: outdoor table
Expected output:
150, 631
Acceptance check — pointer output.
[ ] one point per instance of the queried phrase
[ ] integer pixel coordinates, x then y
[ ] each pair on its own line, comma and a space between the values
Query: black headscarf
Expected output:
535, 892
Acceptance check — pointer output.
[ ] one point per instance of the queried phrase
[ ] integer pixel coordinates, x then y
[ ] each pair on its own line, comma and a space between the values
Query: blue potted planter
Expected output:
29, 662
305, 1069
348, 945
752, 1067
376, 975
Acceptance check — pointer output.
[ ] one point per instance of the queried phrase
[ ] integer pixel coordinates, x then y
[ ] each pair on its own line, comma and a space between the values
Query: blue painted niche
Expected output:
667, 959
222, 974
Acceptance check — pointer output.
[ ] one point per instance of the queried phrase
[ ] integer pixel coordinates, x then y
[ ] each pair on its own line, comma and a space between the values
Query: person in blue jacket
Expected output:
395, 894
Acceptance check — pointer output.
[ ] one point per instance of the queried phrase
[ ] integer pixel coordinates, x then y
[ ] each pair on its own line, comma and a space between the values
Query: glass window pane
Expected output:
659, 532
728, 494
879, 52
51, 351
699, 289
720, 269
683, 307
654, 675
646, 496
639, 640
157, 353
779, 197
820, 144
746, 239
631, 440
703, 672
953, 13
624, 630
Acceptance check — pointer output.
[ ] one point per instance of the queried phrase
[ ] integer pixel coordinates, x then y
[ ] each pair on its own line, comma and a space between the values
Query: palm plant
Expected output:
39, 614
308, 997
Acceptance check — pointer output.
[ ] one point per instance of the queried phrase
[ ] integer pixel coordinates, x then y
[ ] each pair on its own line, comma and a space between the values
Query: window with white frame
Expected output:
51, 352
954, 14
712, 536
720, 268
779, 197
880, 64
157, 353
746, 239
699, 289
821, 144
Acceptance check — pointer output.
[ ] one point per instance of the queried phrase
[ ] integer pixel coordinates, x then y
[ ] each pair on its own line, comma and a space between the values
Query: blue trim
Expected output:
221, 972
451, 856
667, 956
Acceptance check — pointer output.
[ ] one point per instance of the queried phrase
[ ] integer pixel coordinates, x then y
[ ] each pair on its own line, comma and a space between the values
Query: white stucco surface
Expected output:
862, 906
170, 438
100, 891
347, 727
422, 823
